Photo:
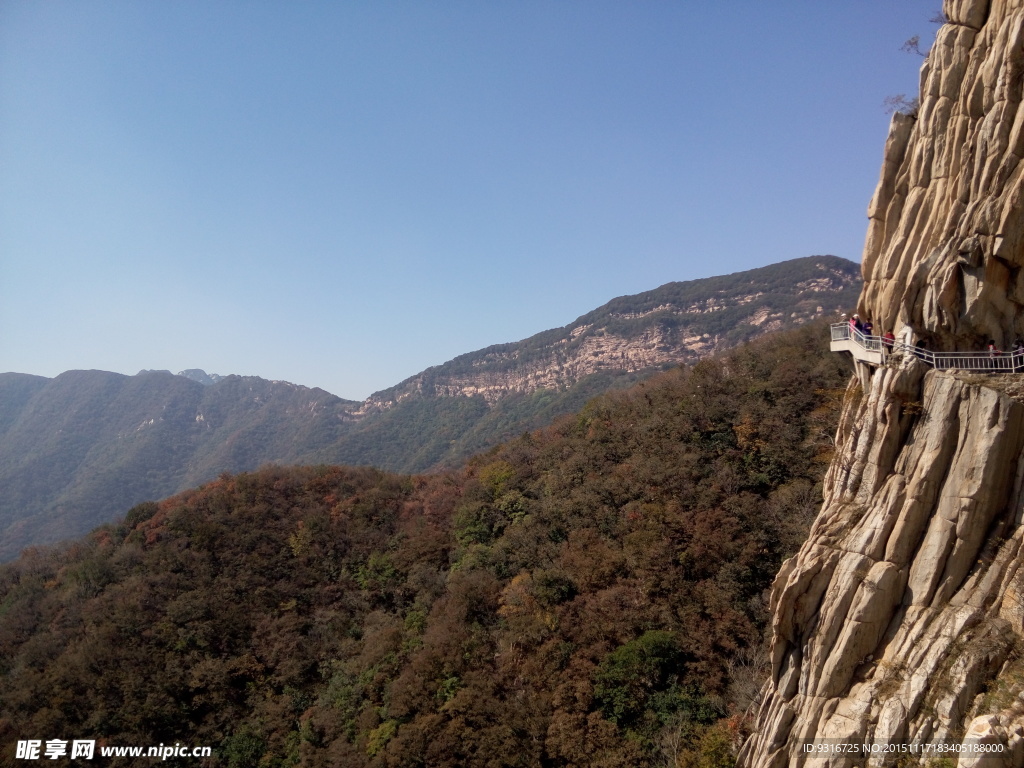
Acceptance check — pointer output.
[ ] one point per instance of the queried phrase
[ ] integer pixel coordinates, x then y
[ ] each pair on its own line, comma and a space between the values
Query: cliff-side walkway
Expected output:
874, 350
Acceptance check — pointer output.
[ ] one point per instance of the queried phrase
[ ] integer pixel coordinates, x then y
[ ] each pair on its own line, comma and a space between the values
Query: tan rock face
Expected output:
501, 374
945, 244
586, 349
891, 618
596, 353
902, 617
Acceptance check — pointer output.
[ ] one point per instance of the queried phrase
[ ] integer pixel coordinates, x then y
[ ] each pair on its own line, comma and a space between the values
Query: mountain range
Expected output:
617, 588
586, 594
81, 448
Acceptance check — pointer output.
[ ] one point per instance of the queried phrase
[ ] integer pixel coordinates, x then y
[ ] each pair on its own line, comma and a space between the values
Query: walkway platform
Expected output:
873, 350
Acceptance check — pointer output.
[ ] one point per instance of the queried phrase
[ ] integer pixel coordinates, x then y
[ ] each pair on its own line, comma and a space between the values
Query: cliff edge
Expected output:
901, 619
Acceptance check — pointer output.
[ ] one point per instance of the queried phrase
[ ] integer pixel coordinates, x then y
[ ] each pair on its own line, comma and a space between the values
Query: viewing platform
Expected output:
874, 350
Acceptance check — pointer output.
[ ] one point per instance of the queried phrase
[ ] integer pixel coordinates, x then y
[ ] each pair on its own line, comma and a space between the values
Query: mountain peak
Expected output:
198, 374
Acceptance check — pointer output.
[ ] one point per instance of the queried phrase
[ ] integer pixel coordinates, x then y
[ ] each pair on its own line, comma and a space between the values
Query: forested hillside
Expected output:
82, 448
588, 594
445, 414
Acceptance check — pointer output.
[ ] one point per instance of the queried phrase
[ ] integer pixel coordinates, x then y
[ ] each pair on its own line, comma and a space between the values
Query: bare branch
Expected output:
913, 45
900, 103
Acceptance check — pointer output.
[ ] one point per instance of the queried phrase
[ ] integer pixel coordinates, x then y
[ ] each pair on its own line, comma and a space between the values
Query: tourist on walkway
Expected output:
993, 354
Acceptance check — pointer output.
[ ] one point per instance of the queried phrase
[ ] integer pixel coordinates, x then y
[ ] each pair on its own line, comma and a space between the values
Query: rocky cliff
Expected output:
676, 323
946, 233
901, 619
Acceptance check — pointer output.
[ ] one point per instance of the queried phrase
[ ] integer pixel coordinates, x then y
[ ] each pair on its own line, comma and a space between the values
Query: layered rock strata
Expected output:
633, 333
901, 619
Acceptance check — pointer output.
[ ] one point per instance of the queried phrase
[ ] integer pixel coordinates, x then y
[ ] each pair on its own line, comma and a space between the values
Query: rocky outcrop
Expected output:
901, 619
676, 323
904, 603
597, 352
945, 243
501, 374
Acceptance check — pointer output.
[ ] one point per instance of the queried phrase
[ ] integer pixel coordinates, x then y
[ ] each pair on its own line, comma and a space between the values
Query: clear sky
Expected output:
341, 194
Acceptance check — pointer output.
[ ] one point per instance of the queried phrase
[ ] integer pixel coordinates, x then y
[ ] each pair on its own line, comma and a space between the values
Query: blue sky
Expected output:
341, 194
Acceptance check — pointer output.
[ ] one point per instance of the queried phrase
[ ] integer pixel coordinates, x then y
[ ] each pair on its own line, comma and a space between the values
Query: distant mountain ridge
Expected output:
77, 448
677, 322
577, 597
82, 448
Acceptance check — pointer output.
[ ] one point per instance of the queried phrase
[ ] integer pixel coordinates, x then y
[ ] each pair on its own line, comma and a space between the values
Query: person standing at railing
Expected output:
867, 328
855, 324
993, 354
888, 340
1018, 355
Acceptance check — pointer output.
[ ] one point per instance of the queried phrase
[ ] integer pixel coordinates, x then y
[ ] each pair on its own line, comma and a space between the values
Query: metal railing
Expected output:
1007, 362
